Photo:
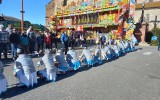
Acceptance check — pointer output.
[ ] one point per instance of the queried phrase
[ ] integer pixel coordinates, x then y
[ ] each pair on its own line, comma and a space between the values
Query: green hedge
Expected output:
156, 32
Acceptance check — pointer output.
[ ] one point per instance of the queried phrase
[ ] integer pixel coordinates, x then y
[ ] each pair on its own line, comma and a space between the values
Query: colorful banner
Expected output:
67, 22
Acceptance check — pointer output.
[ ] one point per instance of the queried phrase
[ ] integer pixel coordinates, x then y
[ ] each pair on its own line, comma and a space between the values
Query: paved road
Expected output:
135, 76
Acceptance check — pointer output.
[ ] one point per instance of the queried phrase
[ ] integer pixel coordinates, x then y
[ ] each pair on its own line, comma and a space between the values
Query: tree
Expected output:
64, 2
27, 24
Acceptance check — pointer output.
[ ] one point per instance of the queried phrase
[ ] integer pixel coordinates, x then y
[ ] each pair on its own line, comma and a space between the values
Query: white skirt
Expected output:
3, 85
49, 76
28, 80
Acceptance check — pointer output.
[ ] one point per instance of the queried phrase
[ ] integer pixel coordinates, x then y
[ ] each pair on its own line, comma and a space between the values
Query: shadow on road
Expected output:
14, 91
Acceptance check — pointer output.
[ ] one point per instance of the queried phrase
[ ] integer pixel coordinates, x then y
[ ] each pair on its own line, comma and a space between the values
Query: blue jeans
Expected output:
3, 48
14, 50
159, 46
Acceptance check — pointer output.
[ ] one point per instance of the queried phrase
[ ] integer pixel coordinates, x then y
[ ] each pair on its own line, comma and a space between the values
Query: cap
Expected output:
59, 51
70, 48
47, 51
19, 50
1, 26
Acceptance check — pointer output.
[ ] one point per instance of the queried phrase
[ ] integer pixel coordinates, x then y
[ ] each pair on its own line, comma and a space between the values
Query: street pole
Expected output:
142, 15
22, 14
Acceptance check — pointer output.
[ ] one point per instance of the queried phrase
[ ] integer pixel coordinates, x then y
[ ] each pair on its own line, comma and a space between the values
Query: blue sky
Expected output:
34, 10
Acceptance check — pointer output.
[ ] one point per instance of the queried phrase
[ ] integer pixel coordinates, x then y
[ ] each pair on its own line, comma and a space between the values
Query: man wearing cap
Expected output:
72, 59
4, 39
50, 71
88, 56
9, 29
15, 40
62, 63
24, 69
3, 81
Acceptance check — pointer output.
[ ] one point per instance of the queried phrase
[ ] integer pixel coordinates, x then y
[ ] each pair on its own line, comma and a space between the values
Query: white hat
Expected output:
47, 51
19, 50
59, 51
1, 26
70, 48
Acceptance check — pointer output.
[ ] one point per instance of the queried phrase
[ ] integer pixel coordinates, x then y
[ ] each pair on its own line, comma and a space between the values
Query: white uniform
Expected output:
25, 70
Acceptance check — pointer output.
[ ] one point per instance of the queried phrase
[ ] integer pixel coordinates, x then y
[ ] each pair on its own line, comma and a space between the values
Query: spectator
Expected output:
32, 41
24, 42
43, 39
4, 40
102, 40
39, 41
15, 40
48, 40
29, 30
65, 39
73, 39
9, 29
54, 39
51, 36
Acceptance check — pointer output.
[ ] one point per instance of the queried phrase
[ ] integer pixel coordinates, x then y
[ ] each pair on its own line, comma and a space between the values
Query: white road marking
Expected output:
147, 53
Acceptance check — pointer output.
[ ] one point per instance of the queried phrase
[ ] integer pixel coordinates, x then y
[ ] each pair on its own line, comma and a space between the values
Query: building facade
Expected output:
151, 10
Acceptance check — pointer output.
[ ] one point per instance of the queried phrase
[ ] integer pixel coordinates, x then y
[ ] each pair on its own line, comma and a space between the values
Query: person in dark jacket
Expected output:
32, 41
39, 41
54, 35
15, 40
43, 39
65, 39
24, 40
102, 41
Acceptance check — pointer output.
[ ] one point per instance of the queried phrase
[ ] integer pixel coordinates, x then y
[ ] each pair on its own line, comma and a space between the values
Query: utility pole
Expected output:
142, 15
22, 12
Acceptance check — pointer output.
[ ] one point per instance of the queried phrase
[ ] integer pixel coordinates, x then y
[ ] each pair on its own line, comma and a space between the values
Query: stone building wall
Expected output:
151, 14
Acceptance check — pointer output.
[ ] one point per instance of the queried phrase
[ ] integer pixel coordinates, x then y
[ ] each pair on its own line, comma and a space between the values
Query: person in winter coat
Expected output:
48, 40
65, 39
24, 40
15, 41
39, 41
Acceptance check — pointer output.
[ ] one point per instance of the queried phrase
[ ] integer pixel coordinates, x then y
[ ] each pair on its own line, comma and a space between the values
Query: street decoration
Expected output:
110, 14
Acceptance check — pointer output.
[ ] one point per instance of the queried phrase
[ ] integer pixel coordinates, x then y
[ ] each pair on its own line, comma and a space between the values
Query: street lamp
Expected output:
22, 12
